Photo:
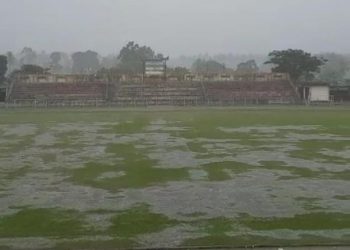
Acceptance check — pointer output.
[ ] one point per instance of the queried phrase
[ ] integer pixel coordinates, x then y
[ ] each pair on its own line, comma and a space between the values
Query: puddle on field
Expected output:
18, 130
269, 129
339, 153
38, 175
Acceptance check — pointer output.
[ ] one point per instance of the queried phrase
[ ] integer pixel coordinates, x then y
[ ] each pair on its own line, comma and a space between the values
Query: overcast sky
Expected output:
176, 27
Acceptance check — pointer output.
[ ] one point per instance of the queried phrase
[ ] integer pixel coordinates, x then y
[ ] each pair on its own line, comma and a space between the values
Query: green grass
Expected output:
137, 125
138, 220
220, 171
17, 173
48, 157
138, 171
297, 172
130, 167
196, 147
304, 172
309, 204
95, 244
219, 231
254, 241
215, 226
206, 118
311, 221
311, 150
342, 197
43, 223
343, 175
17, 144
244, 223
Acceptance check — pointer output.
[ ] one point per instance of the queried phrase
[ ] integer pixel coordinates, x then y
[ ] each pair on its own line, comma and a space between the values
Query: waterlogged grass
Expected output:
311, 150
251, 240
66, 139
335, 119
138, 177
304, 172
135, 171
231, 241
70, 224
43, 223
205, 124
17, 173
309, 204
138, 220
112, 244
342, 197
129, 166
343, 175
222, 171
296, 172
48, 157
227, 170
246, 223
242, 231
136, 125
311, 221
197, 147
215, 226
17, 144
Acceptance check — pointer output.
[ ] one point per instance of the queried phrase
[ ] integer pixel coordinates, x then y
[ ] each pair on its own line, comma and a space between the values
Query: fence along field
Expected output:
195, 177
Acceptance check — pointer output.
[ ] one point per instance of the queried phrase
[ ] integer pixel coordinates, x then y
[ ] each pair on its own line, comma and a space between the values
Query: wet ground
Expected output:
226, 177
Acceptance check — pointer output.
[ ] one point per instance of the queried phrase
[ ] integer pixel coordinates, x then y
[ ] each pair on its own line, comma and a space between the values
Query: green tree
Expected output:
28, 56
111, 74
132, 57
32, 69
178, 72
298, 64
3, 67
208, 67
248, 67
11, 60
335, 69
109, 61
85, 62
55, 59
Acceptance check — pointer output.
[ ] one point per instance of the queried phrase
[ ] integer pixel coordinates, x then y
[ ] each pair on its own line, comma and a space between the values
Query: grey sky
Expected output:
176, 27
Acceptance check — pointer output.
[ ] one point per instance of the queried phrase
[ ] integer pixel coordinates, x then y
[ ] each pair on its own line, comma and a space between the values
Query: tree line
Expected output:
299, 64
81, 62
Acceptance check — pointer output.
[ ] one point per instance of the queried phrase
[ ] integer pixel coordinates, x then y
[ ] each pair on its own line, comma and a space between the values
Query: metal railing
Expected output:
147, 101
46, 103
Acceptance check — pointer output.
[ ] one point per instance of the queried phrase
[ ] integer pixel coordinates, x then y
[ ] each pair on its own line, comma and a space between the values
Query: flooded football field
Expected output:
174, 178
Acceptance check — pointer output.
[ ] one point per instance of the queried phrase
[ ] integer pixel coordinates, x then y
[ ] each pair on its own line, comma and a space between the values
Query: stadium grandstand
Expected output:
74, 90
